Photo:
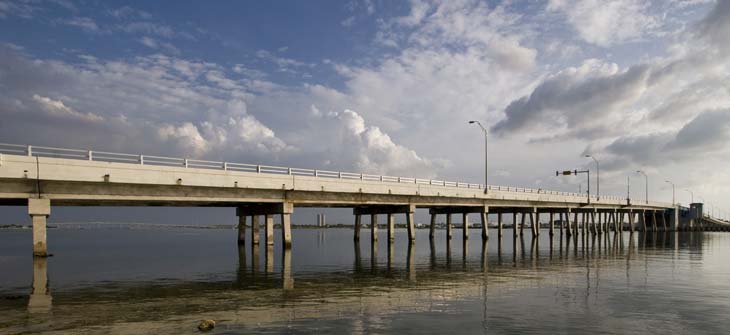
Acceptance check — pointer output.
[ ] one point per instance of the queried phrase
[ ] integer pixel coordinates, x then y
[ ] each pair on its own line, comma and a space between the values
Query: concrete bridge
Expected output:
41, 177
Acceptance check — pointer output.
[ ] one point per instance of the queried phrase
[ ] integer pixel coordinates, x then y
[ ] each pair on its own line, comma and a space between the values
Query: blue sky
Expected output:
383, 86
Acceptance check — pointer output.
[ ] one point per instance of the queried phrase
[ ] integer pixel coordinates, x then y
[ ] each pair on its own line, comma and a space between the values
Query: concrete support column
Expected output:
241, 226
255, 229
448, 226
269, 229
465, 226
522, 223
533, 224
410, 224
391, 227
373, 227
664, 220
40, 301
653, 220
432, 228
642, 217
483, 216
552, 224
358, 223
600, 223
499, 226
567, 223
39, 210
286, 230
575, 223
514, 225
631, 221
584, 227
592, 218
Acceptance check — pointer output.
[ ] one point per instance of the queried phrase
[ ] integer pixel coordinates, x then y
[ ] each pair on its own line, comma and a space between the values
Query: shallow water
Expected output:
164, 281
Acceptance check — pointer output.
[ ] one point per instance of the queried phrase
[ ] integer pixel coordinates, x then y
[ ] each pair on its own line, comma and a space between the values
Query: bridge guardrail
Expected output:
113, 157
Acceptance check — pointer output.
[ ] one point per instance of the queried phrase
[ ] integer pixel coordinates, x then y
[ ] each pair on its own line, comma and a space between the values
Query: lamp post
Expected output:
646, 181
672, 191
598, 177
692, 195
486, 155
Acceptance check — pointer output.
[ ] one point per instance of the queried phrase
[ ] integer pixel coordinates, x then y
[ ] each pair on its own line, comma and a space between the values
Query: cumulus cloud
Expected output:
171, 106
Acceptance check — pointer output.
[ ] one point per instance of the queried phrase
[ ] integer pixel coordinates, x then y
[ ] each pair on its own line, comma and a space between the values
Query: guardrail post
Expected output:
30, 151
258, 169
141, 159
289, 171
339, 175
90, 155
225, 166
186, 162
316, 173
381, 178
361, 176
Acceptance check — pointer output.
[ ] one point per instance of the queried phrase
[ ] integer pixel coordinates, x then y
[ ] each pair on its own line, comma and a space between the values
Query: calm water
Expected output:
163, 281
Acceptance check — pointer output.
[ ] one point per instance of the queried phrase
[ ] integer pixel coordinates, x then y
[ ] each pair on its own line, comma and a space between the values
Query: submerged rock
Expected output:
206, 325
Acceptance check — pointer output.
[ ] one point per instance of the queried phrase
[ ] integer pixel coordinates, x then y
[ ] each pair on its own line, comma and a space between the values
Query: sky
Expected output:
385, 87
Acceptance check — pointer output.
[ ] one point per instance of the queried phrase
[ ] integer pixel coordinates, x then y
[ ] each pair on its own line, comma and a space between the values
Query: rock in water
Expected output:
206, 325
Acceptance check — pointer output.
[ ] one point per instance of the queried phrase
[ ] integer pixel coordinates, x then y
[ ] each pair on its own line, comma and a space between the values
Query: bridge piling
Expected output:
241, 225
373, 228
286, 230
499, 226
432, 228
484, 217
514, 226
39, 210
391, 227
358, 224
552, 226
269, 229
448, 226
568, 233
255, 229
411, 224
465, 226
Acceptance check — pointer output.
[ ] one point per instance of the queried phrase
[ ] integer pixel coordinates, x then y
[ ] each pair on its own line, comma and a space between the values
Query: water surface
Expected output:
165, 280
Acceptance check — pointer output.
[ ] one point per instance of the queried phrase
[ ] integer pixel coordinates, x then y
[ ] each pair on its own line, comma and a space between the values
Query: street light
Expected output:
646, 181
598, 177
486, 185
672, 191
692, 194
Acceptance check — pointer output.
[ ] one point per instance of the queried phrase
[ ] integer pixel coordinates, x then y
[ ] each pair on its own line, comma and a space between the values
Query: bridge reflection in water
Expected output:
502, 265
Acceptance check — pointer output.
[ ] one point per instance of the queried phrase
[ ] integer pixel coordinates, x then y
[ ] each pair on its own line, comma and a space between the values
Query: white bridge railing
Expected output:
103, 156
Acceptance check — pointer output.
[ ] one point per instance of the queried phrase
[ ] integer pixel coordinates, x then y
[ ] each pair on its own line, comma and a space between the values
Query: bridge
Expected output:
41, 177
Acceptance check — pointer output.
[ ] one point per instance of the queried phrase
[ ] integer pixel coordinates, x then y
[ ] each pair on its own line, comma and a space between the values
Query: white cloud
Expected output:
58, 109
607, 22
84, 23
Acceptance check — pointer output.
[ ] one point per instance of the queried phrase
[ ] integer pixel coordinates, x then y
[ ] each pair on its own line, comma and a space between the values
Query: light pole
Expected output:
672, 191
598, 177
646, 181
692, 194
486, 155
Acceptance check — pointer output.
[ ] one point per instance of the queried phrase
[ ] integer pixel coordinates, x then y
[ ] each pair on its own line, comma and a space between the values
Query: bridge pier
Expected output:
391, 226
241, 226
255, 230
567, 223
552, 225
499, 226
374, 227
432, 228
465, 226
39, 210
269, 229
358, 224
484, 217
448, 226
